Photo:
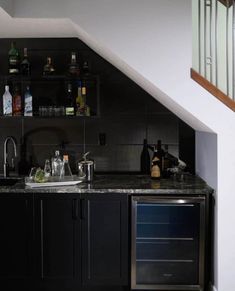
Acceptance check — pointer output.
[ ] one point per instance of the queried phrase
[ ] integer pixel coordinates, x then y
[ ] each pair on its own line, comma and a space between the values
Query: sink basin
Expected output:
9, 181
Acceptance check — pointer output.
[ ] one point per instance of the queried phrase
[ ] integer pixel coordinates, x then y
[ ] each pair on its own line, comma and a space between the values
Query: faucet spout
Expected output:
5, 155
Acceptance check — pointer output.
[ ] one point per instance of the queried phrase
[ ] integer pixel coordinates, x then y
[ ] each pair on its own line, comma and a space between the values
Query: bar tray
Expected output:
55, 182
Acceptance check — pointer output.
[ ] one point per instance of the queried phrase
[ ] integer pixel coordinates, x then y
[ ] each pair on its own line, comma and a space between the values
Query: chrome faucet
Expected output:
5, 155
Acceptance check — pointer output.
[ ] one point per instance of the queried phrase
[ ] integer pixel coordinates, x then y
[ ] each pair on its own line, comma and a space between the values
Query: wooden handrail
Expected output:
213, 90
227, 3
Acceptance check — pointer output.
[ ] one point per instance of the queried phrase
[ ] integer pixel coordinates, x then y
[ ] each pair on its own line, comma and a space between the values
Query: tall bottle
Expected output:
145, 159
17, 102
80, 106
155, 165
48, 69
25, 64
14, 60
28, 102
84, 96
160, 154
65, 169
74, 69
69, 107
85, 68
56, 164
7, 102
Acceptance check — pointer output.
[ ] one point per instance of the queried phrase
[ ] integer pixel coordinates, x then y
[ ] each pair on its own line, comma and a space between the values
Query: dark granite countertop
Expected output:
130, 184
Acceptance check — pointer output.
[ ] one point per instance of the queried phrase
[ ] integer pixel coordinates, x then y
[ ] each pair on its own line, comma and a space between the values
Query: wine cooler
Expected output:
168, 243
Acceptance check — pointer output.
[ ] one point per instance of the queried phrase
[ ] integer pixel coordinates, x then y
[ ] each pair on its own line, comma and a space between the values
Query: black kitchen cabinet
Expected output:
105, 239
57, 241
16, 239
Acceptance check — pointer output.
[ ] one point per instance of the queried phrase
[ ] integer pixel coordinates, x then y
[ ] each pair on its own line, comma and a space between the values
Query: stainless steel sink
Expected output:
9, 181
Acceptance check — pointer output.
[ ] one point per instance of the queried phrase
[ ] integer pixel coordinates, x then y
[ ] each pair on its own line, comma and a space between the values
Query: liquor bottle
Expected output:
155, 166
69, 107
17, 102
85, 68
167, 163
74, 66
56, 164
160, 154
25, 64
7, 102
80, 106
84, 96
145, 159
28, 103
65, 169
14, 60
48, 69
47, 168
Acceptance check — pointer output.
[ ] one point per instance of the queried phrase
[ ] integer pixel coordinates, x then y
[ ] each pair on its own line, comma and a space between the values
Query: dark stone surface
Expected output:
130, 184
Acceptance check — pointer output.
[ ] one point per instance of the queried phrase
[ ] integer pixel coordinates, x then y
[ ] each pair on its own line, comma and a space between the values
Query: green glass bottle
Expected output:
14, 60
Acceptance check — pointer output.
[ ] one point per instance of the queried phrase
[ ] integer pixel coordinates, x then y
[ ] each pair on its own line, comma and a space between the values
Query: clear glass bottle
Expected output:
7, 102
17, 102
47, 168
56, 164
25, 64
28, 103
65, 169
14, 60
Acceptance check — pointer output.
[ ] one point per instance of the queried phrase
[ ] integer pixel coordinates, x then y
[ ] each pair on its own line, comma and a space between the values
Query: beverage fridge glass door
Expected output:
168, 243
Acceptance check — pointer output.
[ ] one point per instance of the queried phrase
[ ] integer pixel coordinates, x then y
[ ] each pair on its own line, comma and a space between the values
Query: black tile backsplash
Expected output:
128, 114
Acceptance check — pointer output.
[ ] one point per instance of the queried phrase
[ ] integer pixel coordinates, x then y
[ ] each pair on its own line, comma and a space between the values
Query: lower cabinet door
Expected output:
16, 240
57, 240
105, 239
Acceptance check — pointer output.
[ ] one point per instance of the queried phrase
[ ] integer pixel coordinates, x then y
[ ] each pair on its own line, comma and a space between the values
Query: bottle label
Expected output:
13, 71
69, 111
155, 172
17, 105
7, 104
28, 105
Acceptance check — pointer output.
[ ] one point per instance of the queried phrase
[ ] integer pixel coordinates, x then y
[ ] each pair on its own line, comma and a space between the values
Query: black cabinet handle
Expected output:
75, 209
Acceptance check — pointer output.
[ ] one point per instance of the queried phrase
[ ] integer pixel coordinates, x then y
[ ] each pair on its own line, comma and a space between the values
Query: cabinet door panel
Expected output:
58, 241
16, 224
105, 248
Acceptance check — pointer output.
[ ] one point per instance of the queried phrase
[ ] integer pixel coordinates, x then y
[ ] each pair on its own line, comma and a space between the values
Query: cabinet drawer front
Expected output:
179, 273
167, 250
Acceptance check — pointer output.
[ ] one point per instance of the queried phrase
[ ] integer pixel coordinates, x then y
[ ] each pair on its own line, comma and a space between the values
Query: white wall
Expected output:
151, 42
207, 168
